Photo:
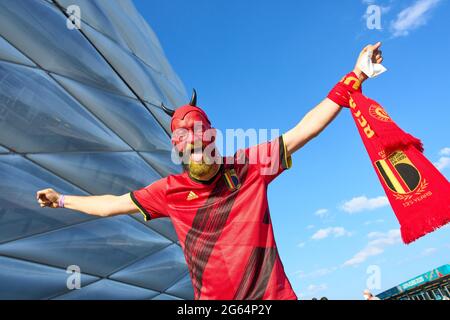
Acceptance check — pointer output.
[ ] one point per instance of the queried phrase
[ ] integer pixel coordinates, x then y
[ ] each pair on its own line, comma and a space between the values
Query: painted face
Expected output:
193, 131
193, 138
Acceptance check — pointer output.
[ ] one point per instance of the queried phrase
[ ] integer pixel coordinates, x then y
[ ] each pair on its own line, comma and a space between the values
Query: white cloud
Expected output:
445, 152
314, 289
378, 242
374, 235
373, 222
309, 227
442, 163
363, 203
331, 231
412, 17
301, 244
428, 252
322, 213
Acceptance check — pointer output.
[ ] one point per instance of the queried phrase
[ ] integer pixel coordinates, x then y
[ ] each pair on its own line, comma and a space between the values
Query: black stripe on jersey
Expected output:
257, 274
283, 156
146, 214
206, 228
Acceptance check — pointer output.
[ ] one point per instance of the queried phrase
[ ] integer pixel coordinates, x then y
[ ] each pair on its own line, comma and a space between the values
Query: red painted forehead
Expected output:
186, 116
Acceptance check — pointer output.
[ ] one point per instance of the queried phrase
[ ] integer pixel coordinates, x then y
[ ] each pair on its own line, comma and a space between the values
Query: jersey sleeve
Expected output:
270, 158
151, 200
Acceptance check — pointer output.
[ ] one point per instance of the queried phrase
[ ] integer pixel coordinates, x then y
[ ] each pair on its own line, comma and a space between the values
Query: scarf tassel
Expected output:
401, 141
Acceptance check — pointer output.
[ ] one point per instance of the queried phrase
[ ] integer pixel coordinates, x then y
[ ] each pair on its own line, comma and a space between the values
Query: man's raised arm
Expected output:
319, 117
103, 205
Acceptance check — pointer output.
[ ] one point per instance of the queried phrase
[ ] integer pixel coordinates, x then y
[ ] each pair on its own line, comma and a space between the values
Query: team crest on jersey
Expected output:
401, 176
232, 180
379, 113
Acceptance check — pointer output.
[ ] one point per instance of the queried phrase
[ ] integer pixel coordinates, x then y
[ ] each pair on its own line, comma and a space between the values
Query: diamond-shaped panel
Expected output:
109, 290
157, 271
98, 247
70, 120
26, 280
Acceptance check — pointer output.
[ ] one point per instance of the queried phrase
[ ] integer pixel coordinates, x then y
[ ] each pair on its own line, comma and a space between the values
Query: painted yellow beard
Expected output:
201, 170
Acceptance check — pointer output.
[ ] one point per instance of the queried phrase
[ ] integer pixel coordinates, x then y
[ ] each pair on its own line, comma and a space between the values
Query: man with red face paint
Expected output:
192, 134
218, 205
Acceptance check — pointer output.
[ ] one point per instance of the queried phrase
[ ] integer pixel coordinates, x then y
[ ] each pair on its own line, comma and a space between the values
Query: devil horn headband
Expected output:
193, 103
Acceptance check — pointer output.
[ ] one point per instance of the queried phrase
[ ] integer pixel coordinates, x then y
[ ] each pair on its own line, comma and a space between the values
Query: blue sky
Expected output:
264, 64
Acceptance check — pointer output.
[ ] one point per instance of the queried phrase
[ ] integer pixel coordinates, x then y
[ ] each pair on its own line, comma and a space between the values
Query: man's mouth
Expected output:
197, 156
195, 153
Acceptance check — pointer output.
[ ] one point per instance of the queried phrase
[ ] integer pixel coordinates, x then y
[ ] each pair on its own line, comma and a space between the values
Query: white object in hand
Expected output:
368, 67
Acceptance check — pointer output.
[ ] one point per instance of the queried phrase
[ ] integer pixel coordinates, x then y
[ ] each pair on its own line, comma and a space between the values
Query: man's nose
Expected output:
195, 138
191, 138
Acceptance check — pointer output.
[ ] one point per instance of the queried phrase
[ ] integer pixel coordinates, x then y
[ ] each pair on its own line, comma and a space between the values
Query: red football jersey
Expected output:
224, 225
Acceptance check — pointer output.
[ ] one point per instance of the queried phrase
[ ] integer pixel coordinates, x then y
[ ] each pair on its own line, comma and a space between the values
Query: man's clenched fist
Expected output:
48, 198
377, 57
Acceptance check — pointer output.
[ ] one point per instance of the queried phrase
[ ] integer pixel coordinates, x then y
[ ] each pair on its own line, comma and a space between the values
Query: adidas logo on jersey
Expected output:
191, 196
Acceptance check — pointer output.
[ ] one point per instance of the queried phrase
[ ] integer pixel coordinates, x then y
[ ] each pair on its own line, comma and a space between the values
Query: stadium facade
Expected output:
79, 112
433, 285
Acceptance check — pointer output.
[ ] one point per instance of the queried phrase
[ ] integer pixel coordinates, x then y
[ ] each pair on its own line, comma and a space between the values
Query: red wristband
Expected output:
340, 93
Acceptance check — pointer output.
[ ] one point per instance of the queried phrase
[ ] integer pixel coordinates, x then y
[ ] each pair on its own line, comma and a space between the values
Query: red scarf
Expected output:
418, 193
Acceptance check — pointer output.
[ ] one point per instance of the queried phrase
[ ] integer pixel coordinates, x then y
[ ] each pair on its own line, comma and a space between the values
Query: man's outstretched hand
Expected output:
376, 58
48, 198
